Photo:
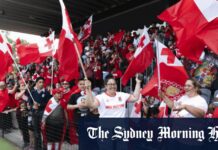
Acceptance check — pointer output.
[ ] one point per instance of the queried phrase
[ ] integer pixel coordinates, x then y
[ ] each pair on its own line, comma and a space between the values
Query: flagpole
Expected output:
52, 66
52, 73
80, 60
158, 69
158, 65
21, 76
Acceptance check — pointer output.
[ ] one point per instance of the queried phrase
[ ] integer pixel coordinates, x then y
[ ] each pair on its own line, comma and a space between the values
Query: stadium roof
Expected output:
37, 16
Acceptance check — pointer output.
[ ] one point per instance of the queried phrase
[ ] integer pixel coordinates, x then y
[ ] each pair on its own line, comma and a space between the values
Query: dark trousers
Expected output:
37, 118
22, 119
5, 122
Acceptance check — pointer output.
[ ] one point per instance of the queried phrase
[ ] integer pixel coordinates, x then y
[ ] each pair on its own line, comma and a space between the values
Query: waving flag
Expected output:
172, 75
142, 58
50, 107
36, 52
209, 35
46, 47
118, 37
5, 58
86, 30
68, 47
191, 21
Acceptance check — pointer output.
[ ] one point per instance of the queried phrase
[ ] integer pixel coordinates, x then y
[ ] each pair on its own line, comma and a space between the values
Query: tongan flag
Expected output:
5, 58
36, 52
46, 47
189, 18
172, 75
66, 53
86, 30
142, 58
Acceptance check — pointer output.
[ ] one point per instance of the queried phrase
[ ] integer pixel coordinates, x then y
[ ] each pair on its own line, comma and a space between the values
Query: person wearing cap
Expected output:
54, 120
40, 99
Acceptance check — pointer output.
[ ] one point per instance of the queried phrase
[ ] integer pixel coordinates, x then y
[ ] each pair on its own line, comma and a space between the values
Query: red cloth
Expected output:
27, 53
72, 129
129, 56
36, 52
59, 90
215, 113
48, 79
209, 35
12, 102
68, 45
6, 60
56, 78
117, 74
142, 58
189, 32
172, 76
86, 30
35, 76
118, 37
98, 71
4, 99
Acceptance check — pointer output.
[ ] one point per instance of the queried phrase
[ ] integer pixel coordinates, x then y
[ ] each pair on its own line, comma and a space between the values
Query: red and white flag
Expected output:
137, 108
117, 37
46, 47
209, 35
86, 30
36, 52
68, 47
191, 20
172, 75
5, 58
163, 110
142, 58
50, 107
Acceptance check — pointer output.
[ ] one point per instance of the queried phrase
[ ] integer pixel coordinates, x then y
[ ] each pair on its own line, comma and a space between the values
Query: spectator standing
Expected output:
41, 97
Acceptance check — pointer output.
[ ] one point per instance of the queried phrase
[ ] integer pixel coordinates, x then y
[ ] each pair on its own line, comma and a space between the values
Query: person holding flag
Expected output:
54, 120
38, 101
190, 105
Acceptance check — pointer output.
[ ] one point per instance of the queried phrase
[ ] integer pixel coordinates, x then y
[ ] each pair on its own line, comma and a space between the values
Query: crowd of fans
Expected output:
101, 57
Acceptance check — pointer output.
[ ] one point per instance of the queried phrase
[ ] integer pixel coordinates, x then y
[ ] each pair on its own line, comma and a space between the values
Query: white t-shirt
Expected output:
196, 101
112, 107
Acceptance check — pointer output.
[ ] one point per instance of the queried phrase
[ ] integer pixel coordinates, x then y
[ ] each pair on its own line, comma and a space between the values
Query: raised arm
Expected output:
136, 94
91, 101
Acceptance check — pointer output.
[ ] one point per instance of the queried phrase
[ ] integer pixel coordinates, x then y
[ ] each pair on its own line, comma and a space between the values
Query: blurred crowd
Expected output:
102, 56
